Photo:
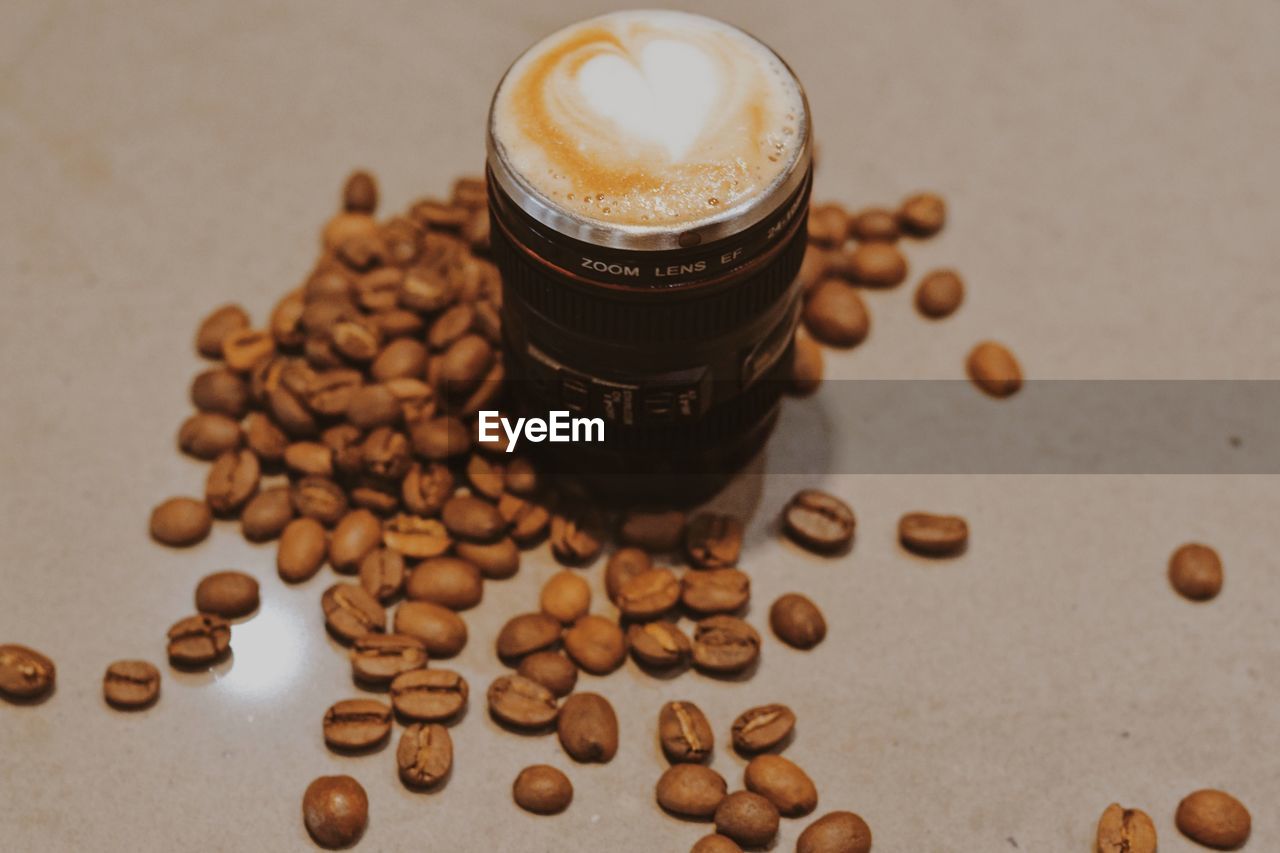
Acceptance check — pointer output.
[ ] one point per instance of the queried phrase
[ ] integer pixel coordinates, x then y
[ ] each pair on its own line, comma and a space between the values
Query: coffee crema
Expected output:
649, 121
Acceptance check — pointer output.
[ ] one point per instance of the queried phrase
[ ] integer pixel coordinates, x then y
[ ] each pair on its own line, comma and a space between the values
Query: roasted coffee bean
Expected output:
199, 640
356, 337
372, 406
425, 489
290, 414
266, 514
658, 644
376, 659
354, 536
464, 364
264, 438
401, 238
806, 364
382, 573
232, 480
596, 644
624, 564
415, 536
221, 390
429, 694
922, 214
691, 790
939, 294
361, 254
784, 784
424, 755
724, 644
797, 621
440, 438
713, 541
836, 315
1195, 571
228, 594
577, 535
715, 843
828, 225
335, 810
24, 672
819, 521
131, 684
656, 532
876, 264
565, 597
347, 225
498, 559
521, 477
994, 369
836, 832
528, 521
552, 670
360, 193
747, 818
470, 192
1122, 830
319, 498
447, 581
933, 535
351, 613
179, 522
399, 323
471, 518
763, 727
1214, 818
207, 435
649, 594
378, 291
486, 478
301, 552
451, 325
244, 348
309, 457
356, 724
715, 591
542, 789
434, 214
400, 358
527, 633
385, 455
684, 733
440, 629
215, 328
522, 702
814, 267
588, 728
285, 322
874, 224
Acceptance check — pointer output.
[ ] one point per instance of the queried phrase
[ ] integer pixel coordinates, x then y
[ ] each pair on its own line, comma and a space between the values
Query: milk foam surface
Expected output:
649, 119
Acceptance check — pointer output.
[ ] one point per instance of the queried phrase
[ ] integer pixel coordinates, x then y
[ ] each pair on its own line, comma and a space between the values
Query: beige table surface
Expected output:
1113, 174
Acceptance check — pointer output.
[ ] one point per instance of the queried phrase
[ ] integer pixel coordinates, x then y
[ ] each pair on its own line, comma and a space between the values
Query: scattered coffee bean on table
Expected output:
659, 644
596, 644
429, 695
713, 591
376, 659
24, 672
215, 328
649, 594
819, 521
747, 818
691, 790
565, 597
440, 629
876, 264
448, 581
1214, 818
553, 670
542, 789
588, 728
229, 594
713, 540
1122, 830
828, 225
763, 727
181, 522
527, 633
923, 214
351, 613
715, 843
806, 367
933, 535
624, 564
874, 224
836, 832
684, 732
658, 532
382, 574
207, 435
266, 514
424, 755
356, 724
797, 621
783, 783
131, 684
577, 537
939, 294
335, 811
302, 549
199, 640
836, 315
994, 369
724, 645
522, 702
1195, 571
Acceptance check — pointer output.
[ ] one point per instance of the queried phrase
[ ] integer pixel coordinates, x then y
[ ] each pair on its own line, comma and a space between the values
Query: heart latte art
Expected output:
649, 119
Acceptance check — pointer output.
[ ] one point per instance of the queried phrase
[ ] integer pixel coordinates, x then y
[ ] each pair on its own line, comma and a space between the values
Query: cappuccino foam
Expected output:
649, 119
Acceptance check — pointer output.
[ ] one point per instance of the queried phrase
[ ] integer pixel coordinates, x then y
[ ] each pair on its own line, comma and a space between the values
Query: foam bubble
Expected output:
649, 118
